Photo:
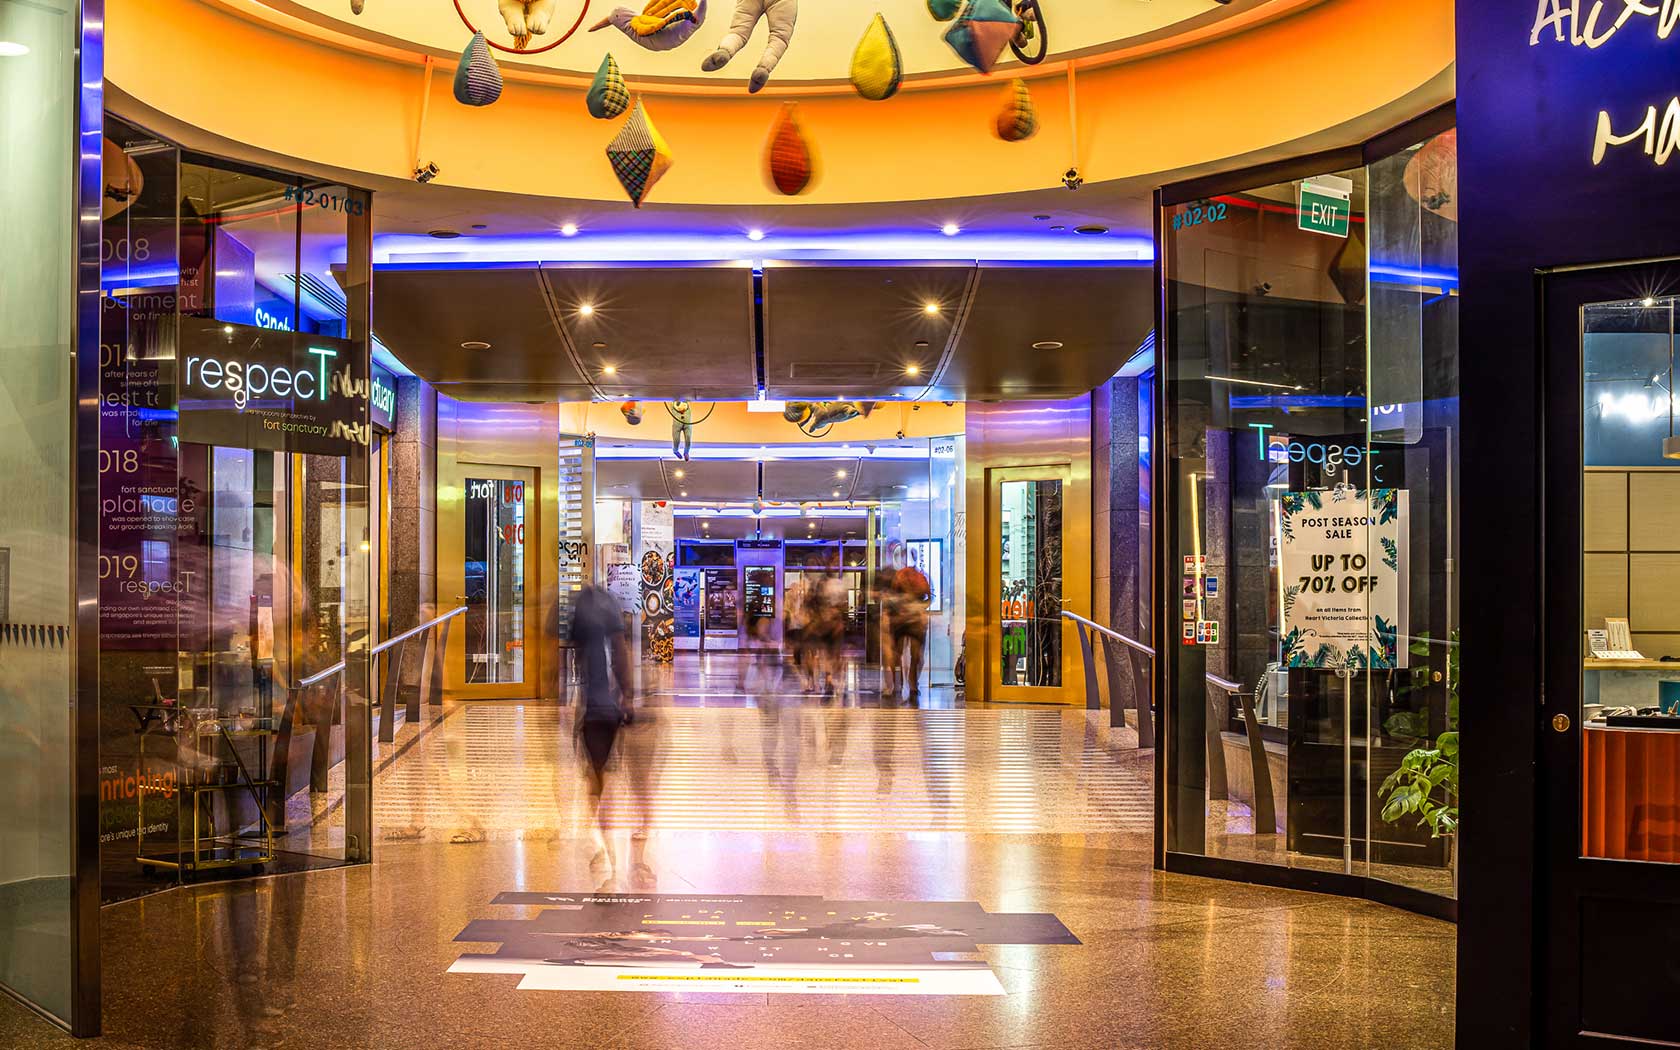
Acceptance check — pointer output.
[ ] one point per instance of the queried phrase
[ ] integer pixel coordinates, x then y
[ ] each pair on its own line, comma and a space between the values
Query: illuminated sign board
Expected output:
241, 386
382, 399
1656, 132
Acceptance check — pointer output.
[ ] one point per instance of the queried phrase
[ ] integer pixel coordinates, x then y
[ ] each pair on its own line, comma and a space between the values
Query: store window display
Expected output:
1311, 469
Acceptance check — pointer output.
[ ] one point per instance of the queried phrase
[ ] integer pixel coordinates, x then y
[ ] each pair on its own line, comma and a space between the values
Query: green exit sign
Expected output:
1326, 206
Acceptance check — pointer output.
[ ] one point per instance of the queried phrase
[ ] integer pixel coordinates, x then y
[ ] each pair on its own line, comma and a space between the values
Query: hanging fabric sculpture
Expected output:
477, 80
781, 16
632, 412
1018, 120
608, 97
662, 25
877, 67
639, 156
788, 157
526, 18
356, 6
944, 10
814, 417
982, 31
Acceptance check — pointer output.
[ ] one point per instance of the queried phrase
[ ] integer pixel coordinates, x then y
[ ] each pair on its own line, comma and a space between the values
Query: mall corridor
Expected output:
806, 813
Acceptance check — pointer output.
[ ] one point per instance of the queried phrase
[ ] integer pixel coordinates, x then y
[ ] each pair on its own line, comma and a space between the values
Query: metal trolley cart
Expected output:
208, 764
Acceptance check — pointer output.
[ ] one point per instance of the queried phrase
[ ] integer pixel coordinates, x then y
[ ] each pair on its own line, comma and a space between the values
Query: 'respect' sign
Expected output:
242, 386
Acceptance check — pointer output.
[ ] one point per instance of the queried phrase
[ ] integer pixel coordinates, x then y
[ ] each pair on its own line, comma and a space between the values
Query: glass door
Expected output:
1610, 748
497, 530
1027, 539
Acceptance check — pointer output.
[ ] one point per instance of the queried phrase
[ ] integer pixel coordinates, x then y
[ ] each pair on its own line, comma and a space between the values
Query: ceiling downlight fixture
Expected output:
475, 344
1048, 344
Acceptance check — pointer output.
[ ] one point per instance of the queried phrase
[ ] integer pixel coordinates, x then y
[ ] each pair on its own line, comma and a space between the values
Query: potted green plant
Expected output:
1425, 786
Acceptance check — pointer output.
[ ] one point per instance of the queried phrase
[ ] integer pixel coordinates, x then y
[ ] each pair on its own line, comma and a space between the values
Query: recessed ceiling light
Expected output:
931, 308
1058, 227
1091, 231
1647, 302
840, 474
444, 235
1041, 218
569, 230
13, 49
950, 229
684, 494
228, 329
480, 226
912, 370
1048, 344
678, 474
599, 346
755, 235
836, 493
586, 309
475, 344
922, 344
609, 370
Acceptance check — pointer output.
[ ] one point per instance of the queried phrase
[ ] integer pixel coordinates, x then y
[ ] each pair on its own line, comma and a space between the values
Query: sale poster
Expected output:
1342, 559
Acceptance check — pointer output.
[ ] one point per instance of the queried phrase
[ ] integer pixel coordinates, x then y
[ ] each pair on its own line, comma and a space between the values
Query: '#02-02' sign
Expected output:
241, 386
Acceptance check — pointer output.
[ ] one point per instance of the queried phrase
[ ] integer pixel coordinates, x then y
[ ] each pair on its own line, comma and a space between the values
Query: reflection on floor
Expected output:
1020, 810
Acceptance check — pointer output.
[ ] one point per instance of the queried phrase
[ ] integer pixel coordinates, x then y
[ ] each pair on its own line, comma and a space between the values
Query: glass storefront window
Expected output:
1310, 472
1031, 553
495, 580
1630, 564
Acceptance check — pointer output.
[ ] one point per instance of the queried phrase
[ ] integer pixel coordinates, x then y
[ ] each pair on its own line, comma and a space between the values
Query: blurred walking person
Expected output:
910, 625
604, 703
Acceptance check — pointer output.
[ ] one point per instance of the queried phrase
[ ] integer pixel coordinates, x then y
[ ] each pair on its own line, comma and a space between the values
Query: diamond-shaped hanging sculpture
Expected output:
1018, 119
981, 32
639, 156
608, 96
788, 157
477, 80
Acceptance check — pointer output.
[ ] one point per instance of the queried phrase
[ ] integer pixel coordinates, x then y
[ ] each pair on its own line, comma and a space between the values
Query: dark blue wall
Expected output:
1530, 197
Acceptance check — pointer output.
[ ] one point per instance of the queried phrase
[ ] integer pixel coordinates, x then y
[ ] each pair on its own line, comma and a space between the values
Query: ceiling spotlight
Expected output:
569, 230
755, 234
931, 308
13, 49
950, 229
684, 494
609, 370
679, 474
599, 345
1048, 344
912, 370
475, 344
228, 329
586, 310
840, 474
836, 493
1647, 302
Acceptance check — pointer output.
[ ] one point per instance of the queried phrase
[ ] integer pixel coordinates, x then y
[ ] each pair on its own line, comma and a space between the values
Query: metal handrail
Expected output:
406, 635
1225, 683
316, 679
1116, 635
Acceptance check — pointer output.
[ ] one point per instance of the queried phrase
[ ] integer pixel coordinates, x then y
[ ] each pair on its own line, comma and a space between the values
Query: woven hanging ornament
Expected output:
608, 97
944, 10
877, 68
982, 31
639, 156
477, 80
1018, 119
788, 157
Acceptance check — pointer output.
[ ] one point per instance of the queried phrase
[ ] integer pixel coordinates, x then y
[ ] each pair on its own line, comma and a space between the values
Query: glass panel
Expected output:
1412, 724
495, 579
37, 179
1311, 471
1031, 556
1630, 696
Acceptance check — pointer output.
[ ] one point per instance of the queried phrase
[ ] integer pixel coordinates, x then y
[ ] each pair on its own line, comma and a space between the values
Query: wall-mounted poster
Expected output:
929, 557
686, 603
1342, 560
656, 561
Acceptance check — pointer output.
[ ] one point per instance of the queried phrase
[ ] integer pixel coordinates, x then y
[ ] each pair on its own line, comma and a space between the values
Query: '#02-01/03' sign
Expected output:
241, 386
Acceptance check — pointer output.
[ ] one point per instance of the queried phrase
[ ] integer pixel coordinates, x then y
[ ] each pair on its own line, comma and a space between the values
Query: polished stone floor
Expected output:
1020, 809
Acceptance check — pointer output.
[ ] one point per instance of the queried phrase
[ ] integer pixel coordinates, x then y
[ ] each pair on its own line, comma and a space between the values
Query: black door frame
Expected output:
1567, 883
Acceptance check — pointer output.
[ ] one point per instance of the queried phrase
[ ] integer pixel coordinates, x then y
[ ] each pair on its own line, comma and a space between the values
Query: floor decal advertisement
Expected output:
749, 944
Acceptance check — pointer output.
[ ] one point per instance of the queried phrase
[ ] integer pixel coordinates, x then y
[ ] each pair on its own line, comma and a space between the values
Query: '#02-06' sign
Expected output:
241, 386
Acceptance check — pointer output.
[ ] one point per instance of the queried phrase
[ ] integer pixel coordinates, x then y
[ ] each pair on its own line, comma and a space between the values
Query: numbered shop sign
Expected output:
1342, 557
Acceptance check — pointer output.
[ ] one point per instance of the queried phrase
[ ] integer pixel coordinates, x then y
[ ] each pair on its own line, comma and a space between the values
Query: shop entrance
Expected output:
492, 573
1610, 818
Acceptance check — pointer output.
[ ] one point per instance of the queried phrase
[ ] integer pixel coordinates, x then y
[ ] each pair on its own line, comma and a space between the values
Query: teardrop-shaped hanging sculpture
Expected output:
877, 66
1018, 120
788, 157
477, 80
608, 96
